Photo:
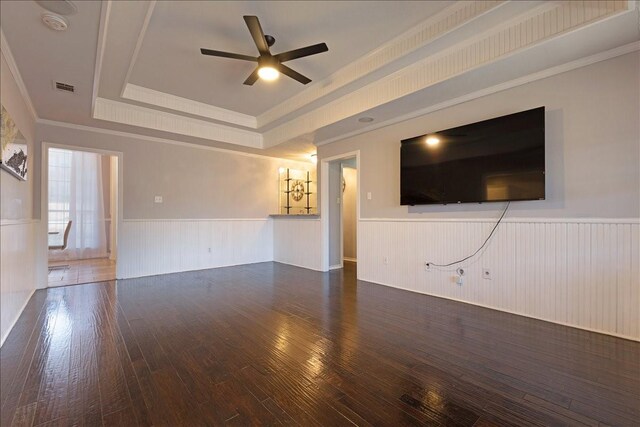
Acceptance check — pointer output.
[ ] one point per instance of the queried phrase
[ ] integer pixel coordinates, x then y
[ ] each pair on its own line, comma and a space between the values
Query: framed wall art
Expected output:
13, 156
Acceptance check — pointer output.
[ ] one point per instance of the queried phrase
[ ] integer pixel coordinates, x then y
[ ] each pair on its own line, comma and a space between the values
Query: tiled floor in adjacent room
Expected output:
81, 271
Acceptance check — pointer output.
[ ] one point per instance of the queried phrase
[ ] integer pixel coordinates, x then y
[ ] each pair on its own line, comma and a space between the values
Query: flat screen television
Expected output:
500, 159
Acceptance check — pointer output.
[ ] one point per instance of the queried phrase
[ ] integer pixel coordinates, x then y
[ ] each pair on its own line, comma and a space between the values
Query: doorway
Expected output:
340, 210
81, 215
349, 223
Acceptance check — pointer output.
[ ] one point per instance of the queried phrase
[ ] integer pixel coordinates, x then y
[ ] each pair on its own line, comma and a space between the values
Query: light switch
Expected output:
369, 195
157, 199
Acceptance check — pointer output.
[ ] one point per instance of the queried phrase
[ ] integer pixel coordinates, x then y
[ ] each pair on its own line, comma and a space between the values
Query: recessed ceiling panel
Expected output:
170, 61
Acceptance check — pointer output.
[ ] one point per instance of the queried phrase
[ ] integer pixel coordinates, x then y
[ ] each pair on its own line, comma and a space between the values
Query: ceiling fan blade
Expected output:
258, 35
302, 52
252, 77
228, 55
293, 74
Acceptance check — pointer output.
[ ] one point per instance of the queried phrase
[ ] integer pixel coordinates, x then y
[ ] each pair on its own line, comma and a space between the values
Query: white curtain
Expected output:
76, 189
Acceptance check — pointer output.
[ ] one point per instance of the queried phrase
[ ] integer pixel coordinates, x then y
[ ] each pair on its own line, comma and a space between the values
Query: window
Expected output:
76, 194
59, 190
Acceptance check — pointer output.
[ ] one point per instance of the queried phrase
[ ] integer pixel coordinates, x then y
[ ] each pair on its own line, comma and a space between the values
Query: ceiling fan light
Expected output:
268, 73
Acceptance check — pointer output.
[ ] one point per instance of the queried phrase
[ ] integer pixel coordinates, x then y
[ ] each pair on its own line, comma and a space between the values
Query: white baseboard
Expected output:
598, 331
4, 337
298, 265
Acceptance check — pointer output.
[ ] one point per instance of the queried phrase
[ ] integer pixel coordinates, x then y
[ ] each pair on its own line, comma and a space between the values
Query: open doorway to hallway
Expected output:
81, 216
349, 216
343, 217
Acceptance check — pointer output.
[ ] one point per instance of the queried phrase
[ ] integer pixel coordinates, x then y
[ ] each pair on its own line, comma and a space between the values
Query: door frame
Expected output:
324, 208
44, 204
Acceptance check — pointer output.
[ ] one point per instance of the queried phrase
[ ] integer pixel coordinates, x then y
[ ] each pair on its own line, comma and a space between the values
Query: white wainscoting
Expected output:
582, 273
150, 247
296, 241
17, 270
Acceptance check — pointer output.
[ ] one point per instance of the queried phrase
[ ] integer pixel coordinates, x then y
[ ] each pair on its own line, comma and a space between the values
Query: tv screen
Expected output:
490, 161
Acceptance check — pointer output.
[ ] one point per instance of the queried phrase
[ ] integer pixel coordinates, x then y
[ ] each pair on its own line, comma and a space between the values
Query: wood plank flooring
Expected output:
270, 344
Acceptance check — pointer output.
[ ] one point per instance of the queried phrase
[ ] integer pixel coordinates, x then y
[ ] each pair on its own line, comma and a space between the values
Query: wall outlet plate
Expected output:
486, 273
427, 267
157, 199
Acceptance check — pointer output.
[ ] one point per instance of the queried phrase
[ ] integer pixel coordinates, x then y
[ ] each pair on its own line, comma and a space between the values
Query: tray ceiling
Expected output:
137, 66
169, 59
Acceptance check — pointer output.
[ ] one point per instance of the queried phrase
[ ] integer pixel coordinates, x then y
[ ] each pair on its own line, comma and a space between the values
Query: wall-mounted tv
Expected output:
494, 160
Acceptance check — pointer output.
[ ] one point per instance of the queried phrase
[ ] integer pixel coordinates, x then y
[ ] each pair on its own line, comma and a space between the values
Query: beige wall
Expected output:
592, 146
194, 183
349, 220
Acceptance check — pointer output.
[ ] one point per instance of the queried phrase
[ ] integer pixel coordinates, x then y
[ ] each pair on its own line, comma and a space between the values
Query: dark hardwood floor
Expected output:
274, 344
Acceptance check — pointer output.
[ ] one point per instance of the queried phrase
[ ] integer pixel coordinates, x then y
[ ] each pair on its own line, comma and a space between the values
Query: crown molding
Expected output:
549, 72
105, 12
177, 103
136, 51
120, 112
13, 68
140, 137
433, 28
537, 26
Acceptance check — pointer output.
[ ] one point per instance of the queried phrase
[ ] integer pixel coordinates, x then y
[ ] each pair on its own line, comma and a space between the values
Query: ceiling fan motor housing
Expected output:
269, 39
268, 61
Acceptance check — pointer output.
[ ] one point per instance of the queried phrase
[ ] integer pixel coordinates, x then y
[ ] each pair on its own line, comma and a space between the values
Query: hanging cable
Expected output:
431, 264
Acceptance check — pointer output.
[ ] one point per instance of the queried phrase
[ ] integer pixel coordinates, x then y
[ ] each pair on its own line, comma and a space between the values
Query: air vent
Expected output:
65, 87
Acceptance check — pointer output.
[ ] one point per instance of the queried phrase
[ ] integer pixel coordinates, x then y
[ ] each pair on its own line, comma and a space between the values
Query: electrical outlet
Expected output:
427, 267
385, 260
486, 273
461, 272
369, 195
209, 250
157, 199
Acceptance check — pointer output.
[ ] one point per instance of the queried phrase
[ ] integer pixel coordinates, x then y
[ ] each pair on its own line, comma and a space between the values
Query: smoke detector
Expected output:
55, 22
61, 7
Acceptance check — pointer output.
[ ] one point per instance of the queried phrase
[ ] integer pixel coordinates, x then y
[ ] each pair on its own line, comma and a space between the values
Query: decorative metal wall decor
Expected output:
297, 192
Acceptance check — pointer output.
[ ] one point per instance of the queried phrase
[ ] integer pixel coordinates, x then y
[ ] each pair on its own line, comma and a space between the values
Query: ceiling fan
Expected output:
269, 66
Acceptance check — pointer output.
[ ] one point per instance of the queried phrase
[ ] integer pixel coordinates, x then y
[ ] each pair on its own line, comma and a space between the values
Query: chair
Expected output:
62, 247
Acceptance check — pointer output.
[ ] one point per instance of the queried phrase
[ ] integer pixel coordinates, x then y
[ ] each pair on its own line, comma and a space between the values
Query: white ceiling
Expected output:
170, 61
139, 62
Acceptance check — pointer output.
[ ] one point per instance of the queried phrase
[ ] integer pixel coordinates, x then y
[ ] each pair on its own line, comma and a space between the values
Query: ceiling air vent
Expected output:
65, 87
